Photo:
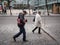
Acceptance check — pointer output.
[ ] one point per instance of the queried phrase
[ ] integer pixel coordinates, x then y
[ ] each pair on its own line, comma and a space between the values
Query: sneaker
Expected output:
14, 39
39, 33
33, 31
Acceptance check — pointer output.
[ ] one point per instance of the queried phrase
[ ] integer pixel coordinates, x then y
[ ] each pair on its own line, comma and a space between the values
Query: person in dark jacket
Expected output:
21, 23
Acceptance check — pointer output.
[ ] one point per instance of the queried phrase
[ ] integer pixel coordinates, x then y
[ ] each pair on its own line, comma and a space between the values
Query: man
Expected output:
38, 22
21, 23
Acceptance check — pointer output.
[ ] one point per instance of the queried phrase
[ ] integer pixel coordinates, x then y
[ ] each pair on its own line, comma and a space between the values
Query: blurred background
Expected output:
15, 6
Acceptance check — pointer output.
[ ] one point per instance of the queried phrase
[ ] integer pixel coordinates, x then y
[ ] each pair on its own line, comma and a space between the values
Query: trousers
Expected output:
22, 31
38, 29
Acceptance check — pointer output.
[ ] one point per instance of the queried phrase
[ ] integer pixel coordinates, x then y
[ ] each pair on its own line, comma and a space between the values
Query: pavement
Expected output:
8, 30
51, 26
15, 12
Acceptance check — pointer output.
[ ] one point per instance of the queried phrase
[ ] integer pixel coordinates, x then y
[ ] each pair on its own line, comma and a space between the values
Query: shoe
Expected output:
25, 40
39, 33
14, 39
33, 31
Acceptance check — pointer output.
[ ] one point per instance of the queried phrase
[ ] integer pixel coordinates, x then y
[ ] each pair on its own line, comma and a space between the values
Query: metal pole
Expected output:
22, 5
9, 1
47, 12
28, 6
57, 6
38, 5
10, 10
47, 7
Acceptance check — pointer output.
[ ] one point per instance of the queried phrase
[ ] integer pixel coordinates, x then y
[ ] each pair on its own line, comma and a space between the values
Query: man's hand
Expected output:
25, 20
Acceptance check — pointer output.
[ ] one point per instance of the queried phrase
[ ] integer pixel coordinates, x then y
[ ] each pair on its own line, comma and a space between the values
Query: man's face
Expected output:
34, 13
24, 13
39, 12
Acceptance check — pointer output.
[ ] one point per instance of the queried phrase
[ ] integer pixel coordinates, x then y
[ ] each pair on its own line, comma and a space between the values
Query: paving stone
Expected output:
34, 39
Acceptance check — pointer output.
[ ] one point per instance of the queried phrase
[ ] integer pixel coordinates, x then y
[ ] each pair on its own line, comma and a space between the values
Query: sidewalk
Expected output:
15, 12
31, 15
52, 26
7, 33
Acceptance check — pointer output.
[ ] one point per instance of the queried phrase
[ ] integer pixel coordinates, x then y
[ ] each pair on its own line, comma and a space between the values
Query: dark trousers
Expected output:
4, 10
38, 29
22, 31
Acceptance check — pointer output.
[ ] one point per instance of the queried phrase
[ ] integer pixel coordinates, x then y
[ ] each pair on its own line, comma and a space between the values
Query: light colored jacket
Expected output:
38, 20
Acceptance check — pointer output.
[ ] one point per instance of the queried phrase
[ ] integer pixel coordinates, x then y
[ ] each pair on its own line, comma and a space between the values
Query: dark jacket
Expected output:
21, 17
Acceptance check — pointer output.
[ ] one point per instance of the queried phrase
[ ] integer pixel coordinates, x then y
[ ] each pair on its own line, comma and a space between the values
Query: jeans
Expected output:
36, 28
22, 31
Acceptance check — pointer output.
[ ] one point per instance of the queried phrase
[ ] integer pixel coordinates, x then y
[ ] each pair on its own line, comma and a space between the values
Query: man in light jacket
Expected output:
38, 23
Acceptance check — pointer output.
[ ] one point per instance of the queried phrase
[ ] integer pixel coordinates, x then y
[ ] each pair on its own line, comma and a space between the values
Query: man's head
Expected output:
39, 12
34, 12
24, 12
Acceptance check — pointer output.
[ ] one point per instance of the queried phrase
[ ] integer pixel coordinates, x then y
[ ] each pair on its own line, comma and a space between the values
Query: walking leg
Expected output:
24, 34
34, 29
17, 35
39, 30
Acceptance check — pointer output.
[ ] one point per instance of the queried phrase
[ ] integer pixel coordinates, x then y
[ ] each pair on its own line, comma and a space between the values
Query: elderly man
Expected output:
38, 22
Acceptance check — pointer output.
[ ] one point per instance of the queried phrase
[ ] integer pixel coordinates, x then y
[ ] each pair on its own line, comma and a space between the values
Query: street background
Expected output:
8, 28
15, 12
50, 13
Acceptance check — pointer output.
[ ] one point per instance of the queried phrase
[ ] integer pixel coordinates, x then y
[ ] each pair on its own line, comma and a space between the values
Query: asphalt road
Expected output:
8, 27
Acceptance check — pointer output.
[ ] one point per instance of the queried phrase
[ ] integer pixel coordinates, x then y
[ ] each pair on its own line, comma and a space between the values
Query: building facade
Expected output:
53, 5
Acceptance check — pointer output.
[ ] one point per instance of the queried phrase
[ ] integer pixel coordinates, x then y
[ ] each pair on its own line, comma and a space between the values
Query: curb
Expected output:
26, 16
54, 38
